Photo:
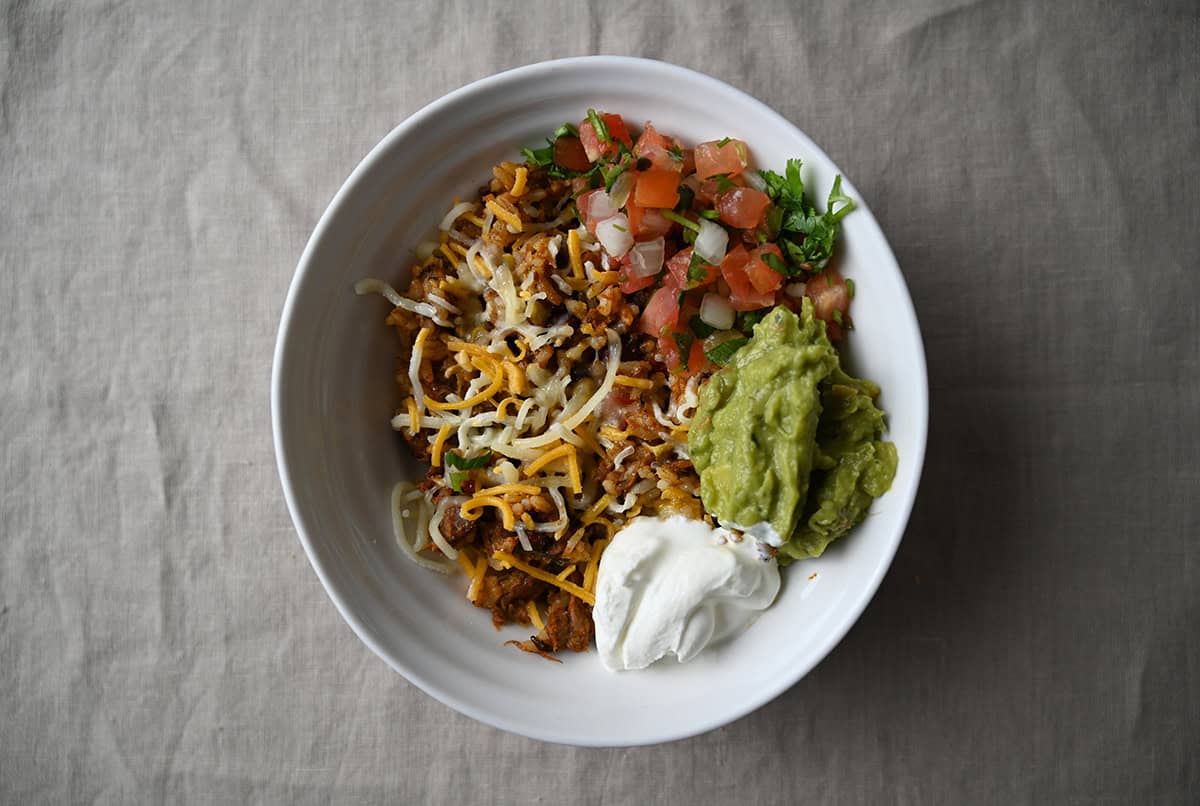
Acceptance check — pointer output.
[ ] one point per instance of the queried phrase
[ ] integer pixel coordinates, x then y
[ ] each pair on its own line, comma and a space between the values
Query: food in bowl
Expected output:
619, 362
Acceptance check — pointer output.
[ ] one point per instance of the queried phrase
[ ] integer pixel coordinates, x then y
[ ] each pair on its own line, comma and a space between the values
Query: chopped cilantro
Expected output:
461, 465
565, 130
746, 320
773, 261
619, 227
676, 153
540, 157
697, 271
686, 223
701, 328
686, 197
723, 353
850, 288
599, 126
684, 341
724, 141
837, 316
689, 236
711, 215
724, 183
805, 235
610, 177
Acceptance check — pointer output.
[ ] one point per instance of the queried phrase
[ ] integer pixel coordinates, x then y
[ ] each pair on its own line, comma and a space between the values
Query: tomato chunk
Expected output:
658, 149
646, 223
617, 131
743, 208
713, 158
829, 294
632, 284
678, 267
743, 296
657, 187
662, 312
764, 279
569, 154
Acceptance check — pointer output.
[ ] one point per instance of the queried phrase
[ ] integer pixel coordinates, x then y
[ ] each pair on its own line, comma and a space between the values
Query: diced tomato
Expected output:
828, 292
689, 161
657, 187
617, 130
764, 279
662, 311
712, 158
743, 296
678, 266
569, 154
697, 360
743, 207
646, 223
657, 148
632, 285
708, 190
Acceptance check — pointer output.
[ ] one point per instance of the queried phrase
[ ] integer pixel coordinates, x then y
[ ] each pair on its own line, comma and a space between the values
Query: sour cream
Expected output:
673, 586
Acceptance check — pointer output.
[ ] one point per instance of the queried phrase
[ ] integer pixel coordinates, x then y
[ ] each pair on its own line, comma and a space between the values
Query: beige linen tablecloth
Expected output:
1036, 167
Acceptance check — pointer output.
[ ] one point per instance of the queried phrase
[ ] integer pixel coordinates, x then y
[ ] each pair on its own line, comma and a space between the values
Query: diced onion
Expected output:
711, 241
621, 189
795, 290
615, 237
600, 206
754, 180
646, 258
716, 311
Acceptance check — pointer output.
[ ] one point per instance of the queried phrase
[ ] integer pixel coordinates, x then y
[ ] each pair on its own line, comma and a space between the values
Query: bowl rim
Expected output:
855, 608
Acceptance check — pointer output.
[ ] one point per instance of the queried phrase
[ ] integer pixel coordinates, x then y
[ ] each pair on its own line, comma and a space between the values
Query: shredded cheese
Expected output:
510, 489
566, 572
439, 442
637, 383
518, 188
546, 576
471, 510
534, 616
548, 457
595, 509
508, 216
575, 253
471, 402
414, 419
593, 567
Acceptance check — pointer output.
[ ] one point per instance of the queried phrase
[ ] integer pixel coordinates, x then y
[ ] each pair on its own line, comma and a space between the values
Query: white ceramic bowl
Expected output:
332, 396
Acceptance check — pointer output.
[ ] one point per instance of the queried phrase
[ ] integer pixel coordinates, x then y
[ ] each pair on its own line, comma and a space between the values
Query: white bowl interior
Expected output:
333, 395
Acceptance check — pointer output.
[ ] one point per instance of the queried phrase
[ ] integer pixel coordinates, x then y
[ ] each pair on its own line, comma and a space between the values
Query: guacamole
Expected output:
784, 436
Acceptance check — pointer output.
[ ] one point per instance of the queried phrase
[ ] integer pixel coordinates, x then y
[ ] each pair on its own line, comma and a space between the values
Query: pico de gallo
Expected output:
712, 243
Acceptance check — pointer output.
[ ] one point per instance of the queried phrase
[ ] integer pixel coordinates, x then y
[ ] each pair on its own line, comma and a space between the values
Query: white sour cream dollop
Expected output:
672, 586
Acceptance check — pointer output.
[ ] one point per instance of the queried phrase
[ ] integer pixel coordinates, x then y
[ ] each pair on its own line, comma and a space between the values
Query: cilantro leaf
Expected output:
836, 196
697, 271
461, 466
746, 320
701, 328
724, 183
684, 341
723, 353
774, 262
540, 157
474, 463
565, 130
